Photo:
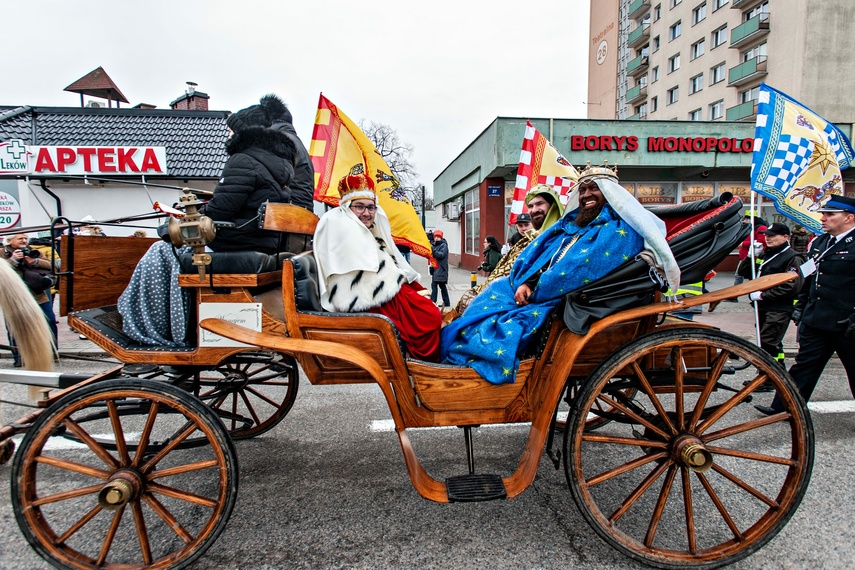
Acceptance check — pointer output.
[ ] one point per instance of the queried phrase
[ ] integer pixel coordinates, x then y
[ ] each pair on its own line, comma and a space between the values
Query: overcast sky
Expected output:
438, 72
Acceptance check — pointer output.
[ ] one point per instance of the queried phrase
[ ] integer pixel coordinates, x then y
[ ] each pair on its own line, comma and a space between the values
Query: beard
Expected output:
586, 216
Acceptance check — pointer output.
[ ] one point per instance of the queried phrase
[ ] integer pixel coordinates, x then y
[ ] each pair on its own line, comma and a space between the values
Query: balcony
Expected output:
745, 112
755, 28
637, 66
638, 117
742, 4
637, 93
747, 72
639, 35
638, 8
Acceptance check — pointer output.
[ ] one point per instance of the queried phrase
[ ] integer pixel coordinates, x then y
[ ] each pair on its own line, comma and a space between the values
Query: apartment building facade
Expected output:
703, 60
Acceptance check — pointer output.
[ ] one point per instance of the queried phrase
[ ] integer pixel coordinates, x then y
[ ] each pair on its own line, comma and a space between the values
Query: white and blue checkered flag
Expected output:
798, 157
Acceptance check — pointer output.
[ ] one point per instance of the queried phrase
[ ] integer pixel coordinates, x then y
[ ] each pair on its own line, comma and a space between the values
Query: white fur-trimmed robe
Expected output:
360, 290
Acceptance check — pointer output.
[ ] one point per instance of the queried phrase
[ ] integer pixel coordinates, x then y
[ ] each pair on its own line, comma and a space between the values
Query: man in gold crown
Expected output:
361, 270
604, 227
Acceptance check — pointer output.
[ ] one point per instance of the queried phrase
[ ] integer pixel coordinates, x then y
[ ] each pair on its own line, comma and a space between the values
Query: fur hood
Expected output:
271, 140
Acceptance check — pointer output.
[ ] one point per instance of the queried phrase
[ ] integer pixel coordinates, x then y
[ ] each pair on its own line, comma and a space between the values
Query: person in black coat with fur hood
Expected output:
303, 182
260, 168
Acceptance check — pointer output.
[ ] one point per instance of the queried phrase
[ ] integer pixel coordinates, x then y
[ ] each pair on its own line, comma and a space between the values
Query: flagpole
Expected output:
752, 255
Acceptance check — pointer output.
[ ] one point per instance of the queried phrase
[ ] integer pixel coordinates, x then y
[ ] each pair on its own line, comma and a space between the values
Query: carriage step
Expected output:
471, 488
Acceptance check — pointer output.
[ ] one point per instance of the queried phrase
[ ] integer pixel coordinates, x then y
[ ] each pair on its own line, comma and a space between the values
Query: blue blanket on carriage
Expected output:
494, 331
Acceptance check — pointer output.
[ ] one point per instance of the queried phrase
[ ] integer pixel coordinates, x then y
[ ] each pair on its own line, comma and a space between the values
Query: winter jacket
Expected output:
440, 254
781, 259
491, 259
37, 275
800, 240
259, 169
303, 182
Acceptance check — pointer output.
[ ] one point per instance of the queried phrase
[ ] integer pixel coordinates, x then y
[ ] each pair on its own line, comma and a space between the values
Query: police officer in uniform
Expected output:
825, 310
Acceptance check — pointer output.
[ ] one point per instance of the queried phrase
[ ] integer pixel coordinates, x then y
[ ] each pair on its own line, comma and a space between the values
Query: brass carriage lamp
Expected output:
194, 230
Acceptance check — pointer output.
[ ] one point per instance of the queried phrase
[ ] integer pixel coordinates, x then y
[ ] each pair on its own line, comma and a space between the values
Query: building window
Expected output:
718, 4
675, 2
698, 49
655, 44
654, 104
657, 12
749, 94
716, 110
472, 222
673, 63
758, 51
699, 13
762, 8
641, 110
642, 80
675, 31
673, 95
718, 73
654, 74
718, 36
696, 83
695, 115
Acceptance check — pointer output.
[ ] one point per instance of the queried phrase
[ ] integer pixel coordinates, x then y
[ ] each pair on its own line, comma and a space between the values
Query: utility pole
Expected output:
423, 205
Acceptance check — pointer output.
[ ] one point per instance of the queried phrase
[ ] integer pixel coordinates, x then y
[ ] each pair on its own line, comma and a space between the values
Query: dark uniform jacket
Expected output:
781, 259
259, 169
828, 295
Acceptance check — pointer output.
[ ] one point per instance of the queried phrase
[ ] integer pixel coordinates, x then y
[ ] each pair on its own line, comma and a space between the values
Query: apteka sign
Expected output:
17, 158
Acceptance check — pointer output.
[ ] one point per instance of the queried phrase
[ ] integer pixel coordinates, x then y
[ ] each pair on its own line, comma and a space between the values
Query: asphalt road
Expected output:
327, 488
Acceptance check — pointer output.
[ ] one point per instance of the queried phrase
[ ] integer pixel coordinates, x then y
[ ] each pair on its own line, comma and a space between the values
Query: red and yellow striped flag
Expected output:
338, 148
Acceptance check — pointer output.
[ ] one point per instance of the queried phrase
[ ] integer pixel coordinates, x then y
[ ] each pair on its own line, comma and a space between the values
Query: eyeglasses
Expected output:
359, 208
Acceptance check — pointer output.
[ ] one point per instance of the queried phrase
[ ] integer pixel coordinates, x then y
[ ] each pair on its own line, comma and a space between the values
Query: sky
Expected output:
437, 72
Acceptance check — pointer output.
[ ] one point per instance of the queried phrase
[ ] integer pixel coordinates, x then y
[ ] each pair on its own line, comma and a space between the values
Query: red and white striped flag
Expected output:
541, 163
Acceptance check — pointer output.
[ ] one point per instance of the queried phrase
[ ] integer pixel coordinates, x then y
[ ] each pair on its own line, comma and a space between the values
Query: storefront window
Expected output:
651, 193
472, 222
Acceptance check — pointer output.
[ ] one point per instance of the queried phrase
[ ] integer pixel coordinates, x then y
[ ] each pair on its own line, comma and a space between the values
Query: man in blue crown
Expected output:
604, 227
825, 311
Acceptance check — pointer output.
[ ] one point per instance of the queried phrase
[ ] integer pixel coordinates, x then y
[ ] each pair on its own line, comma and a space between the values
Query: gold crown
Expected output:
604, 171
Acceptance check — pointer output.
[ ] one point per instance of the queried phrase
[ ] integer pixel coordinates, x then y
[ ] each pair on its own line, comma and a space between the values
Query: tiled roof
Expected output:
194, 140
98, 84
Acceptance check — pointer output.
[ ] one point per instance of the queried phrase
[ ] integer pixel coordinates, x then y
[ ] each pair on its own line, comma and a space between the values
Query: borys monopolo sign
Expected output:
17, 158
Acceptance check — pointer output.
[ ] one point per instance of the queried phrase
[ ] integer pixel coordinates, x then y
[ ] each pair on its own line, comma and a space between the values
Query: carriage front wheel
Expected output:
145, 500
685, 474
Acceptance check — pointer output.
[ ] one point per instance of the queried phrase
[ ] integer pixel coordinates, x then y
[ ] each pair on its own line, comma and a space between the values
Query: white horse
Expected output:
25, 321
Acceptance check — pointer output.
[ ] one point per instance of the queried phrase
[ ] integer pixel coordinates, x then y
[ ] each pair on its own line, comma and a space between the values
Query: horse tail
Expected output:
25, 321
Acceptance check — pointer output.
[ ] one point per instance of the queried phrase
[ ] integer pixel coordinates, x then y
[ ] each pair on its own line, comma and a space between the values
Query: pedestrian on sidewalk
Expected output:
439, 274
825, 311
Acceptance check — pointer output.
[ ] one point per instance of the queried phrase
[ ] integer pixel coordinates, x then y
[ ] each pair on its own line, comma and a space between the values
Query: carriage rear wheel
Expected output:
149, 503
252, 391
683, 475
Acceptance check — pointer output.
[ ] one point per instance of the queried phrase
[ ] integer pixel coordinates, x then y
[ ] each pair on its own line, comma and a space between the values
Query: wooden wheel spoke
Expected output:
691, 532
96, 447
747, 426
631, 414
751, 455
142, 532
745, 486
660, 506
169, 447
72, 466
249, 406
648, 389
146, 433
65, 495
160, 473
111, 535
737, 534
118, 432
679, 370
629, 466
715, 374
234, 411
181, 495
600, 438
167, 517
262, 396
731, 403
639, 491
79, 524
259, 370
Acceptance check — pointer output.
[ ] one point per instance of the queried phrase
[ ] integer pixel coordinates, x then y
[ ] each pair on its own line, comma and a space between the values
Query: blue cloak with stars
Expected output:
494, 331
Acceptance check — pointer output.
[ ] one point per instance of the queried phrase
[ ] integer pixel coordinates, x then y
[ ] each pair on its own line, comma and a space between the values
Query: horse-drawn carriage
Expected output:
654, 440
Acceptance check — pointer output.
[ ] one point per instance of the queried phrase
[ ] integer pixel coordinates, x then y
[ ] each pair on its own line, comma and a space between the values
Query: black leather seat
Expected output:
236, 262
